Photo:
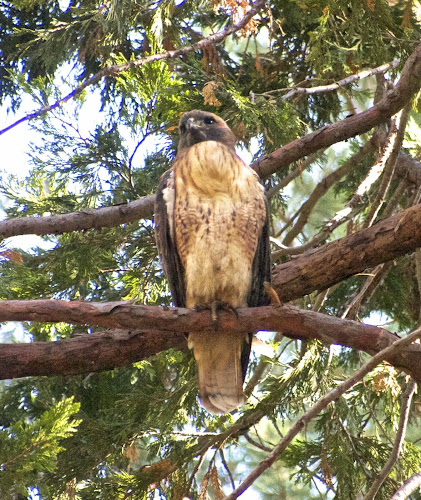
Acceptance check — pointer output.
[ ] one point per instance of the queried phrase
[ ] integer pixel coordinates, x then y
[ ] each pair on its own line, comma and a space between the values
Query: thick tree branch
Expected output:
325, 266
77, 221
394, 101
407, 167
116, 69
152, 329
85, 353
320, 268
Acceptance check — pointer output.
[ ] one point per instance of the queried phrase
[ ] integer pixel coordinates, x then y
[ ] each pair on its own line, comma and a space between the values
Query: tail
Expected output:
222, 361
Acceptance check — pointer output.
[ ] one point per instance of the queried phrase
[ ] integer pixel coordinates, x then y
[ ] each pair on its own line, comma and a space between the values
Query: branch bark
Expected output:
323, 267
339, 84
324, 185
78, 221
150, 329
407, 167
408, 487
399, 439
394, 101
332, 263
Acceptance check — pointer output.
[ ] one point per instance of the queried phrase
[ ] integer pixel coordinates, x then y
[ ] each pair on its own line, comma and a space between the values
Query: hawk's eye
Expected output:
208, 120
182, 128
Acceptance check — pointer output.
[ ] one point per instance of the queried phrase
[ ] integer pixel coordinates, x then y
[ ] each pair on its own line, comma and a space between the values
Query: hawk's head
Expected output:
198, 126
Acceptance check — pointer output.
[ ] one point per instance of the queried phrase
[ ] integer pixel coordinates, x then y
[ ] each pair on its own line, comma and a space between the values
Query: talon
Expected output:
271, 292
229, 308
234, 310
214, 313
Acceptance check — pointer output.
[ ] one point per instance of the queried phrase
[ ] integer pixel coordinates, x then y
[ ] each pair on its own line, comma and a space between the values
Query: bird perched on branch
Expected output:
212, 235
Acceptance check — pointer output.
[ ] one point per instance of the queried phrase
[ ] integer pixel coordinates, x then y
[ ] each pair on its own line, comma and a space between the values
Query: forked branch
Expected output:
408, 84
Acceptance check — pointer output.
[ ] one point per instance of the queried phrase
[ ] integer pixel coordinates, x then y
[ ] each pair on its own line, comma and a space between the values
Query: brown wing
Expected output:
165, 240
261, 271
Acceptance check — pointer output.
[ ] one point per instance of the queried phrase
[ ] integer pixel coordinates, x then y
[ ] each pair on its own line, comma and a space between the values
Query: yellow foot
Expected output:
271, 292
216, 305
214, 309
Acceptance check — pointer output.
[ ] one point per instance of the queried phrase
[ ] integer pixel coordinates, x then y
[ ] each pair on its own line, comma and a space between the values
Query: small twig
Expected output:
298, 250
278, 430
324, 185
331, 396
261, 446
334, 86
368, 288
356, 455
340, 218
224, 463
394, 199
303, 165
397, 447
389, 160
256, 378
264, 368
195, 471
320, 299
372, 414
116, 69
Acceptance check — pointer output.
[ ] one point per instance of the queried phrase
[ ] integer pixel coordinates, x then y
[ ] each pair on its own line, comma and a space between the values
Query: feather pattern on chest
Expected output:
219, 212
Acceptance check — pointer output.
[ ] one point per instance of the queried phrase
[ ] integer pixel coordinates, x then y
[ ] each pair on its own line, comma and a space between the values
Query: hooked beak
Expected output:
191, 124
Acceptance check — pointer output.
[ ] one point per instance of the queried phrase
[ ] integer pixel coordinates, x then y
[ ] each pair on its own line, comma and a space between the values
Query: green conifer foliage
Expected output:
110, 81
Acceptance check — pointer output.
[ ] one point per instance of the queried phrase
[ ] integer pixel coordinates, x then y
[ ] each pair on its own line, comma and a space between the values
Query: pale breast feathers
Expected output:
219, 213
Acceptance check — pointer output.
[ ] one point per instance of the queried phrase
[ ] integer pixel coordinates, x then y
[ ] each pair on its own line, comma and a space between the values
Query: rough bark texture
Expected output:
77, 221
315, 270
325, 266
164, 329
409, 168
85, 353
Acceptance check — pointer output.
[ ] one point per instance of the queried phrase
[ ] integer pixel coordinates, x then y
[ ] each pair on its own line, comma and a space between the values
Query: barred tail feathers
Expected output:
221, 365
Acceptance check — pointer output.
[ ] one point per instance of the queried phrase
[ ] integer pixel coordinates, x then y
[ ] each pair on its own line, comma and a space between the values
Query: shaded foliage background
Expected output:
139, 432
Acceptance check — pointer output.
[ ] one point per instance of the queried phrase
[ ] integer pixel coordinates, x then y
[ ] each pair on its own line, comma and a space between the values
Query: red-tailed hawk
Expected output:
212, 235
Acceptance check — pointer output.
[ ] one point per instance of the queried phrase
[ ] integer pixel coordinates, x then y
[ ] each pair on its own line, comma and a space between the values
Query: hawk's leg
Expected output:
216, 304
214, 311
271, 293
